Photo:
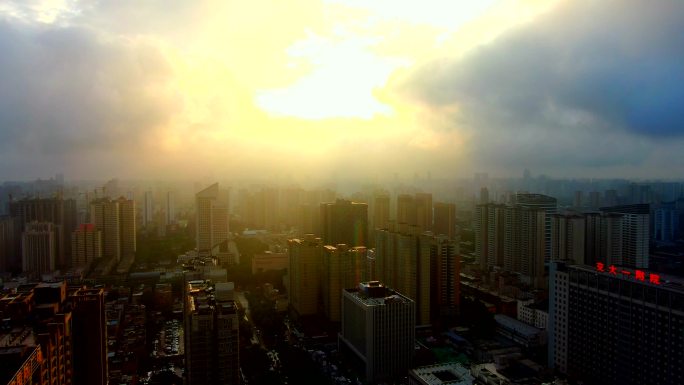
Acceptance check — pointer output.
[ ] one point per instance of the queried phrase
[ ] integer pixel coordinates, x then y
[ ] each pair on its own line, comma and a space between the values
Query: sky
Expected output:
172, 89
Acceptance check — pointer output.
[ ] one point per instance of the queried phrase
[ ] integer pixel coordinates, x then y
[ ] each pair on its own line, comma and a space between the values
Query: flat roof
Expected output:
450, 373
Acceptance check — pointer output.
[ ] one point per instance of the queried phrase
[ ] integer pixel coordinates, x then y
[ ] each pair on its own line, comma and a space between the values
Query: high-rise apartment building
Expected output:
148, 209
305, 281
400, 260
614, 325
170, 209
444, 219
489, 236
86, 245
381, 211
127, 228
415, 211
344, 222
445, 279
211, 206
666, 222
424, 215
603, 238
524, 243
104, 214
89, 337
39, 247
9, 244
540, 202
58, 211
212, 353
116, 220
515, 237
378, 327
423, 267
343, 268
635, 233
568, 238
406, 210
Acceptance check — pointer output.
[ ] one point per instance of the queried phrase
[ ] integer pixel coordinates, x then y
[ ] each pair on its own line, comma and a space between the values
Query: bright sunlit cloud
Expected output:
341, 84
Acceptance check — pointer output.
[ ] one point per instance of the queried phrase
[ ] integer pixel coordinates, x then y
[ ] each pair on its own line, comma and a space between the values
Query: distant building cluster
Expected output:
483, 281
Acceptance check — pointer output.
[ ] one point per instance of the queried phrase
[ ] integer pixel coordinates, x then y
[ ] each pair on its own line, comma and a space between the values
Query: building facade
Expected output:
344, 222
305, 281
378, 327
615, 325
86, 245
212, 352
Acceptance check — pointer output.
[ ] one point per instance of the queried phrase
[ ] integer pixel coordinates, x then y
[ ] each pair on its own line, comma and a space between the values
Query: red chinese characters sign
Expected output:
639, 275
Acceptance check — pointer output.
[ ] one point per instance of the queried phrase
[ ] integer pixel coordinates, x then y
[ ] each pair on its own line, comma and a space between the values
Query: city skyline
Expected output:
566, 88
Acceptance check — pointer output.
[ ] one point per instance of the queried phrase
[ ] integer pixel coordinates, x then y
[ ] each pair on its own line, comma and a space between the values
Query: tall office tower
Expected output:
211, 336
635, 233
381, 211
104, 214
489, 236
484, 195
445, 279
424, 215
127, 227
305, 265
343, 267
39, 247
568, 238
148, 210
86, 245
594, 200
211, 206
9, 233
344, 222
170, 210
378, 326
61, 212
619, 326
543, 202
89, 337
524, 243
445, 219
404, 258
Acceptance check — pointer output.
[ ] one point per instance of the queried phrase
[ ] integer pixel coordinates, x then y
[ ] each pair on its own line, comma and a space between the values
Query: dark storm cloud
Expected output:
66, 93
592, 83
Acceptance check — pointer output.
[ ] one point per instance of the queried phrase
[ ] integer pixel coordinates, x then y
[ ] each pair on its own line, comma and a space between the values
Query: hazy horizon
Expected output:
314, 88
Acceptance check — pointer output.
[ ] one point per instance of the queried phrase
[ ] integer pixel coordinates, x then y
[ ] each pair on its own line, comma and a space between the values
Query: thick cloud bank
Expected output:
592, 83
70, 97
